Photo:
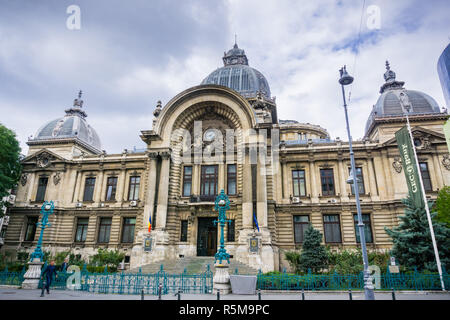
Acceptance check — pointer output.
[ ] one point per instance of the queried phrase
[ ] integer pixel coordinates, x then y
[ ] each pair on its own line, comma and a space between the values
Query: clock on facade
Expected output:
209, 135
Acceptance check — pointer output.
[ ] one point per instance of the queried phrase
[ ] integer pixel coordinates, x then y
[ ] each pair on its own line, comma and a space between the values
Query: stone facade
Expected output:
265, 188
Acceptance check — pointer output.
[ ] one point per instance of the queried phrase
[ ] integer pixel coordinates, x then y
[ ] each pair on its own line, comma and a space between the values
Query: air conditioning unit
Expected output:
296, 200
133, 203
2, 241
5, 220
332, 201
79, 204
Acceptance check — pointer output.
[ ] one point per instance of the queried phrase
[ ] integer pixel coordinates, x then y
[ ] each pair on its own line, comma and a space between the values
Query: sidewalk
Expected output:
21, 294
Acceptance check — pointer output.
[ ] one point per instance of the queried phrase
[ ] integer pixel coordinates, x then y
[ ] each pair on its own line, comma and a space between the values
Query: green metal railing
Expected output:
135, 283
387, 281
11, 278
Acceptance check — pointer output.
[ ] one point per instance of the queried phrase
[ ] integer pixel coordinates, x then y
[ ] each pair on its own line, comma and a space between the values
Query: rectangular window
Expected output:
367, 228
133, 191
30, 232
230, 231
301, 223
332, 228
111, 185
425, 176
184, 230
359, 175
89, 189
327, 179
42, 187
231, 179
128, 230
82, 226
104, 229
209, 180
298, 182
187, 181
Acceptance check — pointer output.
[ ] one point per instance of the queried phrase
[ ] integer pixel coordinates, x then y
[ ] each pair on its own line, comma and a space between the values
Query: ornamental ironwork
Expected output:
222, 204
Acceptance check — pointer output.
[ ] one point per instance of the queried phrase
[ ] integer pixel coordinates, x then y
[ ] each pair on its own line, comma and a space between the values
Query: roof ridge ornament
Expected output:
77, 105
78, 102
390, 80
235, 56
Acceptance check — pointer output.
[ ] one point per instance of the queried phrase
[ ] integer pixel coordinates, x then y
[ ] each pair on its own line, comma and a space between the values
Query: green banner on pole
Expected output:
447, 134
409, 165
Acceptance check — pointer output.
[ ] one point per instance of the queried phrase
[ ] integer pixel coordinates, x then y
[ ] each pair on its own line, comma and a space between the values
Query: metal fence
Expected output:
11, 278
135, 283
387, 281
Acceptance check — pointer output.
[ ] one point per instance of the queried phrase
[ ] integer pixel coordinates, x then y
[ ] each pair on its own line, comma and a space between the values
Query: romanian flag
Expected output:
150, 223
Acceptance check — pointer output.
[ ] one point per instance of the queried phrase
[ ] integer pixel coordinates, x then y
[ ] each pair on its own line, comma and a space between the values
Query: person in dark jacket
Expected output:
65, 265
49, 272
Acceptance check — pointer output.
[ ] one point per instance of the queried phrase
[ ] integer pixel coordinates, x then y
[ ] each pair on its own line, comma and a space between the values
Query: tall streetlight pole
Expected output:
346, 79
406, 106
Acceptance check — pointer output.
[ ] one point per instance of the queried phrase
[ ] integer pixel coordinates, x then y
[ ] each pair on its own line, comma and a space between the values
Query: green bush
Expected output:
293, 258
60, 256
104, 257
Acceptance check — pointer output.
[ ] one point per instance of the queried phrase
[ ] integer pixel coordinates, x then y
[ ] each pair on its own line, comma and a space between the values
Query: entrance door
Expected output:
206, 237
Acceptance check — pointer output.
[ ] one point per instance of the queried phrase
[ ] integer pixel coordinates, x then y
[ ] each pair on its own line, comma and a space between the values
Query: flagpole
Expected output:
430, 223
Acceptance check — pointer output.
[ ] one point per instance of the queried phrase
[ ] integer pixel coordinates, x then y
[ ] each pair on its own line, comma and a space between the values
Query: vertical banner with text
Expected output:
447, 134
409, 166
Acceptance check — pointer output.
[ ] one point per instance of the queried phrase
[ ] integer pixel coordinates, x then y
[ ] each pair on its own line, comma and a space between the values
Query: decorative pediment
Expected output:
423, 138
43, 158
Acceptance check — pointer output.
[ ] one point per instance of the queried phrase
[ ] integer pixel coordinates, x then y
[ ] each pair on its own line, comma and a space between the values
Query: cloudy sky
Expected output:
129, 54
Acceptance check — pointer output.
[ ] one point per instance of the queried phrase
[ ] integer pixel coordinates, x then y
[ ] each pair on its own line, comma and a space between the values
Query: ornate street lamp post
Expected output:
346, 79
222, 204
46, 210
221, 280
33, 273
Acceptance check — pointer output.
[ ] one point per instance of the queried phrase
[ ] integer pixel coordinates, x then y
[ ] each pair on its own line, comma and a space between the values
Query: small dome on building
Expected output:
237, 75
389, 103
72, 126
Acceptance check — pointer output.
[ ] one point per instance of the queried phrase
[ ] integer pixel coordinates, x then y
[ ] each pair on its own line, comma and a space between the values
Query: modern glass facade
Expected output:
444, 73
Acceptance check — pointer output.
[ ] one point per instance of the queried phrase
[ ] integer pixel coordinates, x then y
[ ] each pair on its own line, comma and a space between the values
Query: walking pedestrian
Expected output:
49, 272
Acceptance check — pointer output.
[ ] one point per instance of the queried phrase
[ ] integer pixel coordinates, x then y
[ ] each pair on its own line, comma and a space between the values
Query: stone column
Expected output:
261, 194
372, 179
438, 182
390, 187
222, 177
284, 179
379, 172
163, 192
151, 188
99, 187
121, 194
342, 179
313, 181
247, 202
79, 196
195, 179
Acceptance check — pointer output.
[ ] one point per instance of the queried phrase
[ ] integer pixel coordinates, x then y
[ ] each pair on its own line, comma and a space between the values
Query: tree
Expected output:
313, 255
442, 206
10, 166
412, 245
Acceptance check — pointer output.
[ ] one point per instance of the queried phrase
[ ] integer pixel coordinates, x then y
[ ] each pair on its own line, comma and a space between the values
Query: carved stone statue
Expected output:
397, 164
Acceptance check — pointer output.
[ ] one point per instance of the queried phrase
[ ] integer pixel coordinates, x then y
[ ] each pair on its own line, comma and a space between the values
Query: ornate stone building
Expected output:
299, 176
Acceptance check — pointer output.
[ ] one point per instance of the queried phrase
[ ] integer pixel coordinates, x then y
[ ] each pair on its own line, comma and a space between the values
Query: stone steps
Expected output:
192, 265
